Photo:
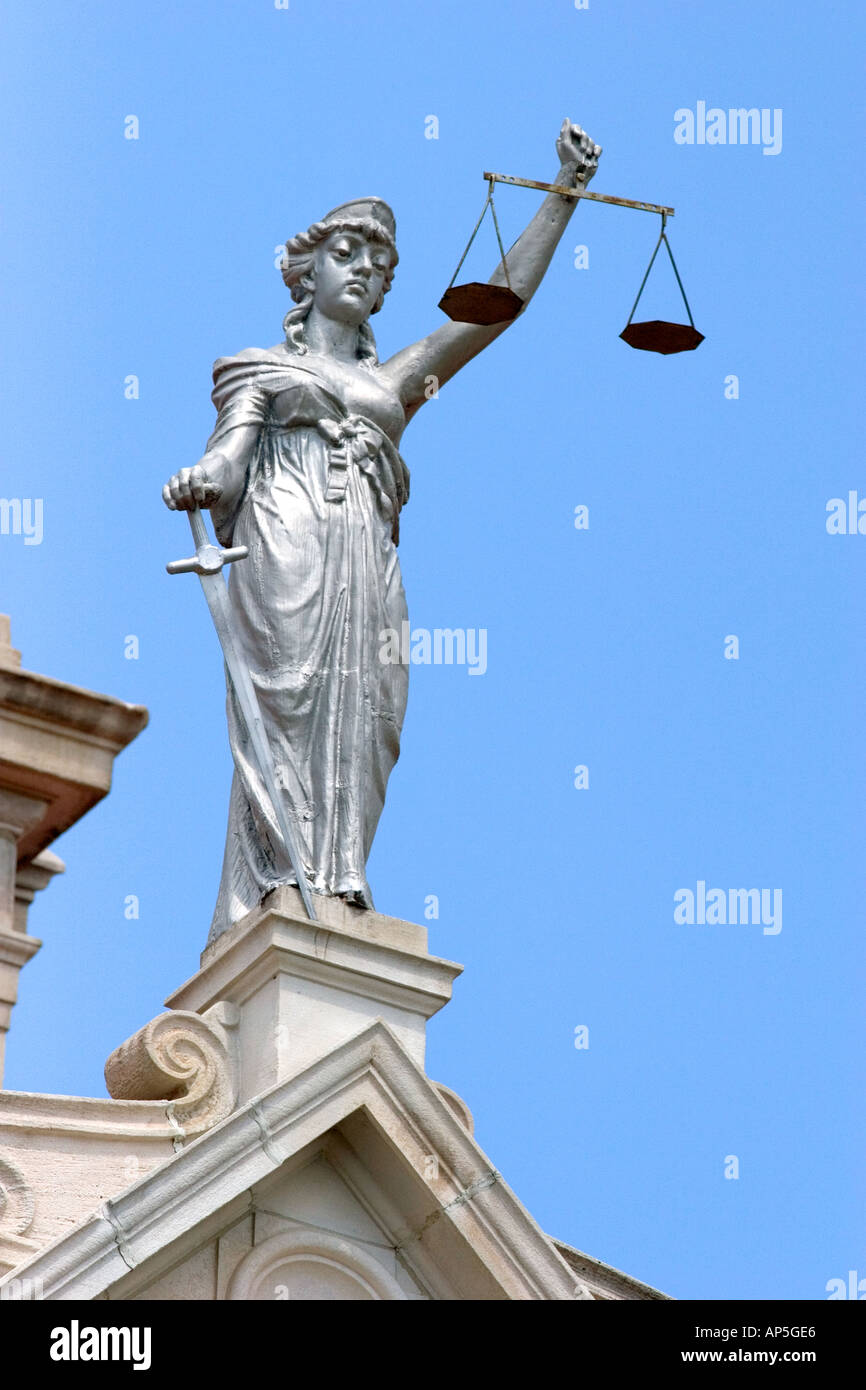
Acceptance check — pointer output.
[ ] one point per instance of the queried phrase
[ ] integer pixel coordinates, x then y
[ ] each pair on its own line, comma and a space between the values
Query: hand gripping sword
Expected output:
207, 563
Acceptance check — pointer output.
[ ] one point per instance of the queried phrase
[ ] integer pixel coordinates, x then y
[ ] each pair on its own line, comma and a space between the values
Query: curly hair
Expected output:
298, 267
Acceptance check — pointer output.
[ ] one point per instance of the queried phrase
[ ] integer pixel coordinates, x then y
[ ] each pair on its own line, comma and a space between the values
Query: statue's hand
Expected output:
575, 147
190, 488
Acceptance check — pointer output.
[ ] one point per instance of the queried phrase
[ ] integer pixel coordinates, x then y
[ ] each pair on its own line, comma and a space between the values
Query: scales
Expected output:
486, 304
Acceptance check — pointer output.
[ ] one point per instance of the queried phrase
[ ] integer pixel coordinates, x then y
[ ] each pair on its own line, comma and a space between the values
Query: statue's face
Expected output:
349, 274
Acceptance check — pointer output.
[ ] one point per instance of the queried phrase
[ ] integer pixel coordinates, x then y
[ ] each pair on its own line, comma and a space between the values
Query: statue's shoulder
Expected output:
260, 373
253, 357
253, 370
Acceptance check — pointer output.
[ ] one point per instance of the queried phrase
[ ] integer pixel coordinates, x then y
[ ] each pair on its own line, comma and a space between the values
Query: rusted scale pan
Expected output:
481, 304
656, 335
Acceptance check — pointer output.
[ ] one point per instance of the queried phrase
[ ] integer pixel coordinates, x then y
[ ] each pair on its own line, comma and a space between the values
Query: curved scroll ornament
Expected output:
457, 1105
177, 1057
16, 1200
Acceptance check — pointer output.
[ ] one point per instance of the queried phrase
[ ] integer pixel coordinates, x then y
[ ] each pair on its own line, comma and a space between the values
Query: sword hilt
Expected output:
208, 558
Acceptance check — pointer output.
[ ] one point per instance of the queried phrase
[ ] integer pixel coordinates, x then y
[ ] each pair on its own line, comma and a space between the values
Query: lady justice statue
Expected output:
303, 468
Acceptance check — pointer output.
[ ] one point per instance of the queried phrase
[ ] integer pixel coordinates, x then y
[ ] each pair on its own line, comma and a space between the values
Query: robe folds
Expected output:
319, 513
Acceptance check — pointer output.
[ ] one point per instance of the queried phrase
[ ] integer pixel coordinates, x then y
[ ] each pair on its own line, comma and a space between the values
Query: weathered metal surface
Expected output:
480, 304
579, 193
656, 335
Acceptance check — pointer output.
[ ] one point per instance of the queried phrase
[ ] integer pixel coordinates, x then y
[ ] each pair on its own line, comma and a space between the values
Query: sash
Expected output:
243, 388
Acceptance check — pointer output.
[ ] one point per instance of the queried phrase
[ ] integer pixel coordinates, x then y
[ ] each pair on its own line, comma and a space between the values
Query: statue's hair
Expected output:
298, 264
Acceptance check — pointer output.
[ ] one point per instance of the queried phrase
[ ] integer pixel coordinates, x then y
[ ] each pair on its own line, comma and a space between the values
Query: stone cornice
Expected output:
17, 949
31, 1114
322, 952
604, 1281
58, 744
74, 708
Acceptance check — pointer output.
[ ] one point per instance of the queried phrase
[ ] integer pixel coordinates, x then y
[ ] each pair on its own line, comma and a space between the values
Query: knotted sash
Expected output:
244, 387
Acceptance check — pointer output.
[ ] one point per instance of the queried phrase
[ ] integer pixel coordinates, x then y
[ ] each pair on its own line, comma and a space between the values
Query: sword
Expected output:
207, 563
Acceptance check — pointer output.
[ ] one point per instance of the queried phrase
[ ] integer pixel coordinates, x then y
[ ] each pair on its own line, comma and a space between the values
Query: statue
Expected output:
303, 468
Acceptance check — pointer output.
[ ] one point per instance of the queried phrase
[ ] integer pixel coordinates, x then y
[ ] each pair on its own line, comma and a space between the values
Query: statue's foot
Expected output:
355, 899
360, 898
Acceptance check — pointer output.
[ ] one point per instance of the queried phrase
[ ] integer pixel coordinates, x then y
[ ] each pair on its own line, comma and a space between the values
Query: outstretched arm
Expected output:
447, 349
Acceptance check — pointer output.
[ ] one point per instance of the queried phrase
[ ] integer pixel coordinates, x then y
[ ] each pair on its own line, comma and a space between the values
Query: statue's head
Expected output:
345, 265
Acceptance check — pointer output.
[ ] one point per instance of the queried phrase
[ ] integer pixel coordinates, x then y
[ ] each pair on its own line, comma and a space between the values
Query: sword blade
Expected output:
217, 597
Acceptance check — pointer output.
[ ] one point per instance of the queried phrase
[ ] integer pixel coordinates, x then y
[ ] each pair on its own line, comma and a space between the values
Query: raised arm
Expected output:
443, 352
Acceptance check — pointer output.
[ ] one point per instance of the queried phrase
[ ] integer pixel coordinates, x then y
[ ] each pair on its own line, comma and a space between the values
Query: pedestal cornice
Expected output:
380, 958
302, 988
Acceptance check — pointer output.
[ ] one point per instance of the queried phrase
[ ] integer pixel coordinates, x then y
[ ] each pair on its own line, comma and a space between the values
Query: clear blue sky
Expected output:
605, 647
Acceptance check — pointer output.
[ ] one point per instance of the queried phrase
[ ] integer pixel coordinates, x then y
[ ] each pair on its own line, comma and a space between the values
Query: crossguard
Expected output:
208, 558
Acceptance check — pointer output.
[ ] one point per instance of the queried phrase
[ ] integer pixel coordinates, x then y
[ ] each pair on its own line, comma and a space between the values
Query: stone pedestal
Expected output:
57, 749
303, 988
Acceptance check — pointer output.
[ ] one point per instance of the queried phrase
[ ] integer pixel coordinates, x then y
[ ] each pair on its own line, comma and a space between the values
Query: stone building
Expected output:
272, 1135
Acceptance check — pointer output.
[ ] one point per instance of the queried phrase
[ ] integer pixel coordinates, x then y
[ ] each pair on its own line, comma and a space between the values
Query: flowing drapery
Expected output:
319, 514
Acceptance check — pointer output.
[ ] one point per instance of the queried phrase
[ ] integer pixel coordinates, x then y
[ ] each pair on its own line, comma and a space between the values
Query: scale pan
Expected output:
658, 336
481, 304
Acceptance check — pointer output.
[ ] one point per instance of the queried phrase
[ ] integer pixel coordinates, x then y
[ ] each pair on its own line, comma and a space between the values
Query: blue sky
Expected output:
605, 646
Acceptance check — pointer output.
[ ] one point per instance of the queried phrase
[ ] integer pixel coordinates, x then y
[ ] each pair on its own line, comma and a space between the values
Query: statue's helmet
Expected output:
370, 209
371, 216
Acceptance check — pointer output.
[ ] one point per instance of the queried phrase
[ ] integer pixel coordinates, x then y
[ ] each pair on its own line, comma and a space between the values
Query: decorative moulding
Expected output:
17, 1206
179, 1057
326, 1261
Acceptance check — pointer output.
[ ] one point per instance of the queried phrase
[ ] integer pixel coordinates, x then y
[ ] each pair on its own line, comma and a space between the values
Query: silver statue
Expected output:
303, 469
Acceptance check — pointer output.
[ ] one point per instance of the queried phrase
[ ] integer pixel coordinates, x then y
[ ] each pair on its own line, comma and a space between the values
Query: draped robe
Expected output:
319, 513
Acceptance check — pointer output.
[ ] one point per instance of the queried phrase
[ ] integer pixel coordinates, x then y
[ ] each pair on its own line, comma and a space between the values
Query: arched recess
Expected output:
311, 1266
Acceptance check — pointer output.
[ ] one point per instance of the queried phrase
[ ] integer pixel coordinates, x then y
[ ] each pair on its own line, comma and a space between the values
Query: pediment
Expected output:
320, 1228
355, 1175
